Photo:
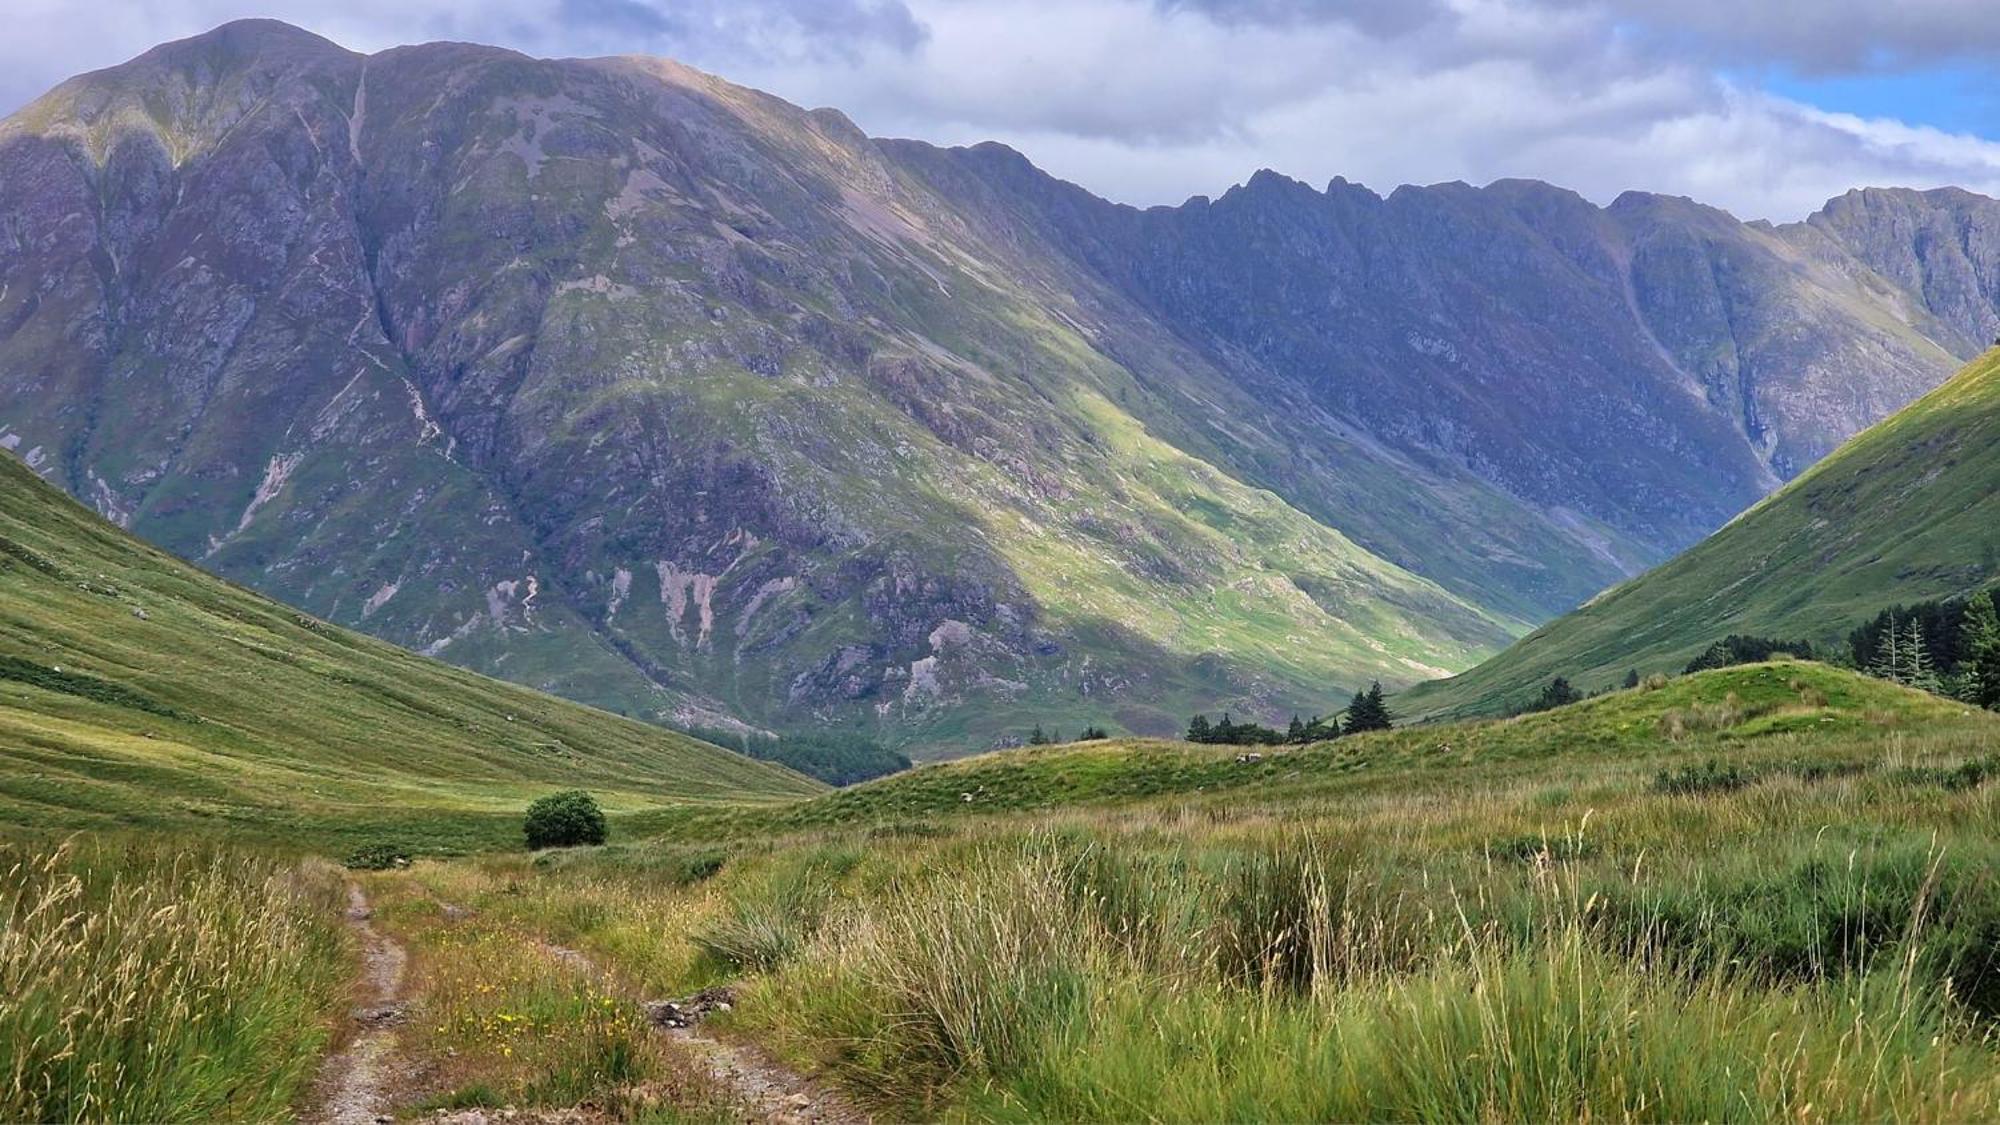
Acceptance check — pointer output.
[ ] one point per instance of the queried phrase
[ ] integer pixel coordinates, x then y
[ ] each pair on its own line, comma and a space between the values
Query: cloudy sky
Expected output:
1767, 107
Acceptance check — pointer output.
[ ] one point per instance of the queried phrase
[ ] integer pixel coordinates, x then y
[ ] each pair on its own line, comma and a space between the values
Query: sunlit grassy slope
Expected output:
1908, 510
136, 690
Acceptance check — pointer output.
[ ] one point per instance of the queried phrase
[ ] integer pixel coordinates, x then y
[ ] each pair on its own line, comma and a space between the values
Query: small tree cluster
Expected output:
1741, 649
1229, 732
1556, 693
835, 757
1940, 625
1315, 729
1902, 656
1367, 712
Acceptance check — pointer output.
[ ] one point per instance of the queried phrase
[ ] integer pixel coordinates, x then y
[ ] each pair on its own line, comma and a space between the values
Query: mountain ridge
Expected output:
676, 398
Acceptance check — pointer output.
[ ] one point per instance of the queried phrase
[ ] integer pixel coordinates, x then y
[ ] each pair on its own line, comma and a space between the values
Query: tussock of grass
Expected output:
143, 983
766, 923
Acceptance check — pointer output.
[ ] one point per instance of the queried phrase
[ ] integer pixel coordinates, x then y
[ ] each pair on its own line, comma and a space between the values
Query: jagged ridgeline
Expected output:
136, 691
1905, 515
623, 382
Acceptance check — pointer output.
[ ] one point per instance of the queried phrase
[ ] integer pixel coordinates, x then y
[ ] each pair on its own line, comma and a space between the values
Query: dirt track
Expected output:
354, 1083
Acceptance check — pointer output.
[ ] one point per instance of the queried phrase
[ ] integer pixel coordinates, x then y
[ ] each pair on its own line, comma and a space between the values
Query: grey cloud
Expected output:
1375, 17
625, 16
1815, 36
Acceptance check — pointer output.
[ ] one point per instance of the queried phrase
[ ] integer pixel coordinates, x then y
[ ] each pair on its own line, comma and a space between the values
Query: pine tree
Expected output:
1296, 732
1631, 679
1982, 648
1037, 738
1918, 671
1199, 730
1888, 662
1368, 711
1558, 693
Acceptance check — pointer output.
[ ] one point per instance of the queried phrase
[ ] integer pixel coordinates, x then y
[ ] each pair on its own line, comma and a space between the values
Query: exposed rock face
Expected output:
616, 379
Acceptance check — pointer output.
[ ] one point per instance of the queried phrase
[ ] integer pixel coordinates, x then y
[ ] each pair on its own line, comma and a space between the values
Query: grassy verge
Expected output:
146, 982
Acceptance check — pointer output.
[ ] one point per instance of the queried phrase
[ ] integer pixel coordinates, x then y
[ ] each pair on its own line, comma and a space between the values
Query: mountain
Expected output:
1907, 511
623, 382
137, 690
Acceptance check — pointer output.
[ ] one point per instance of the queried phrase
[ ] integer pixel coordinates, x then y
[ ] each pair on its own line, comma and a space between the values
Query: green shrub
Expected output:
377, 857
1954, 779
1710, 777
564, 820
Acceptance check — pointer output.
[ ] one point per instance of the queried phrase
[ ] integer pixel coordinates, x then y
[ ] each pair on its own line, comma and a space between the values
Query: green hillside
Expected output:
1909, 510
1779, 709
138, 691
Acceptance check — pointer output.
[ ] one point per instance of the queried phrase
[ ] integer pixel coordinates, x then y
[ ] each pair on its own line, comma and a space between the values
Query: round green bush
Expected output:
564, 820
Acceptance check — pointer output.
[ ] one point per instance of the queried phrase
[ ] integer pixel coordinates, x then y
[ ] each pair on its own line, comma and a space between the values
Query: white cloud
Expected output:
1154, 100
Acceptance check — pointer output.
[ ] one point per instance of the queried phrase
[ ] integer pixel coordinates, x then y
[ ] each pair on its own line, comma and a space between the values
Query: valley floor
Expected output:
1767, 892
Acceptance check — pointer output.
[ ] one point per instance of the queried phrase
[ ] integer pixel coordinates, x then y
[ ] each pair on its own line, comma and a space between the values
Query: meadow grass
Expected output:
1787, 911
150, 981
1790, 909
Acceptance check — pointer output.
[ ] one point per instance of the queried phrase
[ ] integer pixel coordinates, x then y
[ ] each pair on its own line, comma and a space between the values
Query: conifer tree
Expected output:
1982, 648
1918, 671
1888, 662
1631, 679
1558, 693
1368, 711
1199, 730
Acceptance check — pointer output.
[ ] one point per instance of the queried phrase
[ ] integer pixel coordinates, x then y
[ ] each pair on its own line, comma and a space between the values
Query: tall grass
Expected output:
1052, 976
143, 983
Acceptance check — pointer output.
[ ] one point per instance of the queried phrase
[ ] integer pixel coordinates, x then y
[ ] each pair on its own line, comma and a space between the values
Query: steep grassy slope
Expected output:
137, 691
1908, 510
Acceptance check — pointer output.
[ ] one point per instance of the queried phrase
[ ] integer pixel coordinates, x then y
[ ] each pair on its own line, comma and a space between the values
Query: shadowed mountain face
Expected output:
615, 379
